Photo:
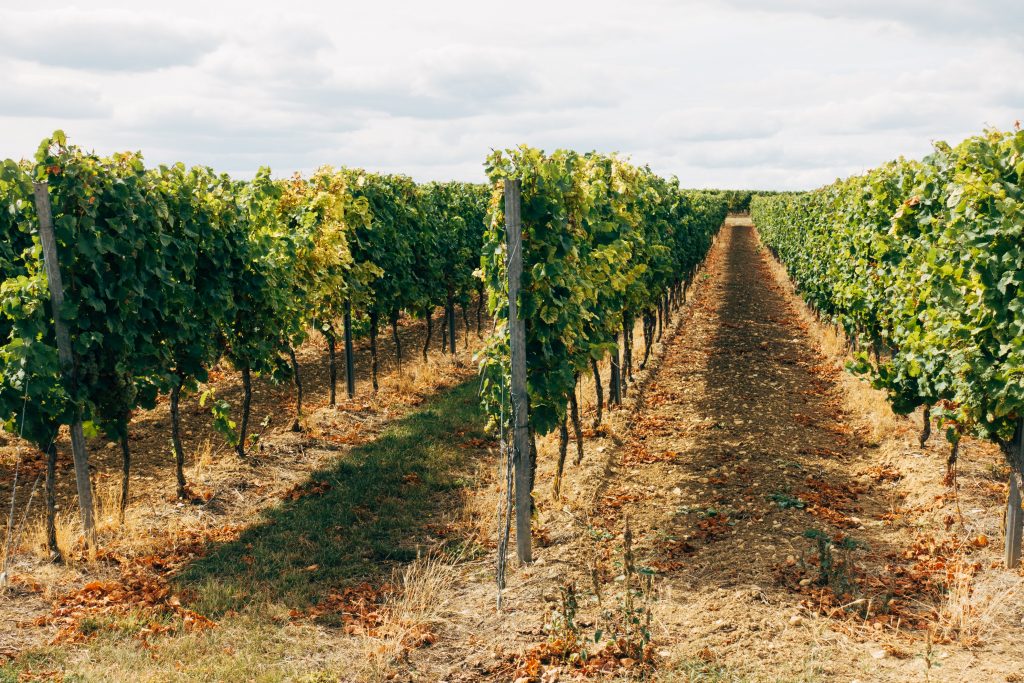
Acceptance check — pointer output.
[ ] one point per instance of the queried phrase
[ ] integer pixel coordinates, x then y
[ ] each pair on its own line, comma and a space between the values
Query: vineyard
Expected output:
644, 403
921, 264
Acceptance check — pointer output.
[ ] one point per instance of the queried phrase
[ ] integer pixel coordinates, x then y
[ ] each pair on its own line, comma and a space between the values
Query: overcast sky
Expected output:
771, 94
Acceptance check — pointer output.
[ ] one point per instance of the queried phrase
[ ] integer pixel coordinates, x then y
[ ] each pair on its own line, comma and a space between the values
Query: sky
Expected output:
766, 94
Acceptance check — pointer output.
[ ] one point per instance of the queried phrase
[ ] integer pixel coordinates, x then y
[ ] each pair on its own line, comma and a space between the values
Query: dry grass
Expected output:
203, 457
419, 376
107, 499
69, 537
977, 605
109, 527
135, 535
243, 649
868, 403
132, 536
260, 645
476, 521
410, 618
14, 520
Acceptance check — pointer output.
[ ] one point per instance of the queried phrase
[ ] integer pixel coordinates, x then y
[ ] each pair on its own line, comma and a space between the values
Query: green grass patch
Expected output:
371, 516
786, 501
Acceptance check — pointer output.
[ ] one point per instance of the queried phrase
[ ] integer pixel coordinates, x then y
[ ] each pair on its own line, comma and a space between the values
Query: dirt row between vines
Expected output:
230, 494
747, 458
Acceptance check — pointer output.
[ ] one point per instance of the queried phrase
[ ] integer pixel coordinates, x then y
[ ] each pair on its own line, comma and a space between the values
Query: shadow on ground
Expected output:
353, 521
767, 448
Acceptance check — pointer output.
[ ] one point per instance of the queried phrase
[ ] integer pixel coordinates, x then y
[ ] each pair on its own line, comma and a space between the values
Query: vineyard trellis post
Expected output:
1014, 530
350, 366
450, 318
67, 362
517, 351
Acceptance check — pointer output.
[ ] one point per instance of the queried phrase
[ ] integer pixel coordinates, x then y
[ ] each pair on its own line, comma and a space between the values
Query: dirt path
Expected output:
755, 419
746, 439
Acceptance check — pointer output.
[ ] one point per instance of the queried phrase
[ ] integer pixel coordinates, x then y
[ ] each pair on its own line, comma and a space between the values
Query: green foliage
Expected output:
922, 264
220, 410
206, 235
786, 501
738, 201
387, 240
322, 215
31, 402
451, 236
602, 239
265, 315
110, 238
167, 270
835, 561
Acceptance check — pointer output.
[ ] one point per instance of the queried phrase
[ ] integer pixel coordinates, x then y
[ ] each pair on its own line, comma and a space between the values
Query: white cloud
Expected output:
773, 93
988, 19
32, 93
102, 40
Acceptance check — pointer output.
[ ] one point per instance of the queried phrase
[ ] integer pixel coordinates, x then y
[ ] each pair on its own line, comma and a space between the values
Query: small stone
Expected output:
111, 445
878, 654
796, 620
790, 561
805, 582
677, 491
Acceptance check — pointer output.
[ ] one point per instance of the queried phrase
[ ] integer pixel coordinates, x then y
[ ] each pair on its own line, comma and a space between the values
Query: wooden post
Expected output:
1014, 529
517, 344
350, 365
67, 362
1014, 523
450, 317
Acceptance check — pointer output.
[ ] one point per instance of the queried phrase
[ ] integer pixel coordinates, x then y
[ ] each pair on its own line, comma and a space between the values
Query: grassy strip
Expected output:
369, 518
371, 514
